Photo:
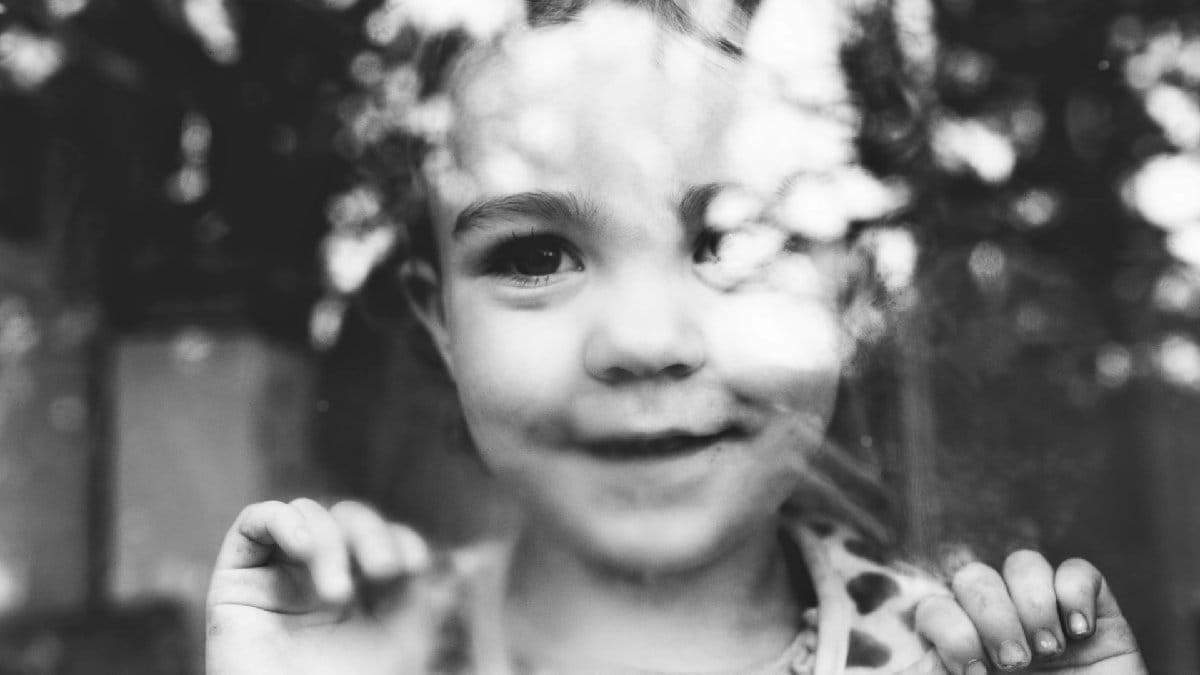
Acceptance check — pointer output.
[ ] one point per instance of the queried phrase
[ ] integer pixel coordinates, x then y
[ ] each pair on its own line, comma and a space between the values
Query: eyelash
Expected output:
710, 240
501, 261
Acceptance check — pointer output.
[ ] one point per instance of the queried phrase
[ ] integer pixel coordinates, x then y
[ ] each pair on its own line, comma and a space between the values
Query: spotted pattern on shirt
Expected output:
882, 640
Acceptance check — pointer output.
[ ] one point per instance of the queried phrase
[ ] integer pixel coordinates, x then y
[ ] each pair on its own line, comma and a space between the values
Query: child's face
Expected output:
646, 408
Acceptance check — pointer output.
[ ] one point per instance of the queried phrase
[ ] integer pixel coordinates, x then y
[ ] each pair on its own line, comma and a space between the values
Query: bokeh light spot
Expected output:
1184, 244
14, 585
970, 145
1114, 365
1179, 360
65, 9
196, 137
19, 332
367, 68
1164, 191
1177, 291
29, 59
212, 23
988, 265
325, 323
192, 347
895, 253
1036, 208
1177, 112
350, 257
188, 185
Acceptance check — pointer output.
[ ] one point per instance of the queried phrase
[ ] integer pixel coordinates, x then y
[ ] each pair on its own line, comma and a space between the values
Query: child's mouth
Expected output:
659, 447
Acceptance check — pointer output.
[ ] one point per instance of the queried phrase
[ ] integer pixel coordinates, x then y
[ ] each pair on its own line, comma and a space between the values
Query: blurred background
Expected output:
182, 227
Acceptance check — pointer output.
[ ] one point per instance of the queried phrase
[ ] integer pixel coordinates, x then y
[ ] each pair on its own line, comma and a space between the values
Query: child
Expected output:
647, 345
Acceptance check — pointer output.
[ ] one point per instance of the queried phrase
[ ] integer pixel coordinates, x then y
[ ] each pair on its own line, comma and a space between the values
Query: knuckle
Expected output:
259, 510
928, 609
950, 629
305, 502
345, 509
1079, 573
356, 515
1024, 559
972, 575
1079, 566
404, 530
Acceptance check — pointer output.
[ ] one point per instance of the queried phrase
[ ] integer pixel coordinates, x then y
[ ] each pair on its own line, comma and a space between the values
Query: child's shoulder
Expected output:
866, 605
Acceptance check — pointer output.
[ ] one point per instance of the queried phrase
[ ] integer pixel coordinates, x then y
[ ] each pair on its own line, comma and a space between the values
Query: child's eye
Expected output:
532, 259
708, 247
714, 246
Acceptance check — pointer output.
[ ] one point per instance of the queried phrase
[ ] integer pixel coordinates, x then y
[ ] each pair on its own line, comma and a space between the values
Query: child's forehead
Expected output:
611, 98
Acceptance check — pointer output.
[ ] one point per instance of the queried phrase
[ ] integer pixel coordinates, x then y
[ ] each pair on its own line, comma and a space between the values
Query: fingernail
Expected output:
1012, 655
1078, 624
975, 667
1045, 643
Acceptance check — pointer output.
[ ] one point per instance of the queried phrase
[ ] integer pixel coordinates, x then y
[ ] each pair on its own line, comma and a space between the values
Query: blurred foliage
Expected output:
175, 182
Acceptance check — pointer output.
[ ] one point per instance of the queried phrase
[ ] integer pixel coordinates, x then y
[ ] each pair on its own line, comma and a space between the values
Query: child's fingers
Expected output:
1030, 580
261, 530
415, 554
1078, 584
369, 539
984, 596
930, 664
1094, 621
383, 595
329, 564
941, 621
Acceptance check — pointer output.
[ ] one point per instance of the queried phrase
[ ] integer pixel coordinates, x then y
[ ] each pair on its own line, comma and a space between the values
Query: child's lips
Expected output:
659, 446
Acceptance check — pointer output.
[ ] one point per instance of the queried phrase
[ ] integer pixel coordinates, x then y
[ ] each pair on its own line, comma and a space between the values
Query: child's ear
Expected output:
423, 291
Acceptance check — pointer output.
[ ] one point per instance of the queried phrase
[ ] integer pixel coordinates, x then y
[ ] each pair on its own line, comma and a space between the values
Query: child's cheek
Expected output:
513, 371
778, 349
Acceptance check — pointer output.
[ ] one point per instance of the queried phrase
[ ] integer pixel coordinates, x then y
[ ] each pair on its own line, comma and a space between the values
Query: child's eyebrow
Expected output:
550, 206
566, 207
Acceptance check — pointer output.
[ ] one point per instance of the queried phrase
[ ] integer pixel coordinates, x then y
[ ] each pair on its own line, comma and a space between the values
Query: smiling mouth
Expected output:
659, 447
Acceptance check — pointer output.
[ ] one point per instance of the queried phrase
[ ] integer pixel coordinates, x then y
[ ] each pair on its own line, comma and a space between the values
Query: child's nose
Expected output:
648, 331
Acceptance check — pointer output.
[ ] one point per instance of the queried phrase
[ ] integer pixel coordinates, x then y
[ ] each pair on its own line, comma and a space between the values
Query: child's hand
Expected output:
299, 589
1068, 616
